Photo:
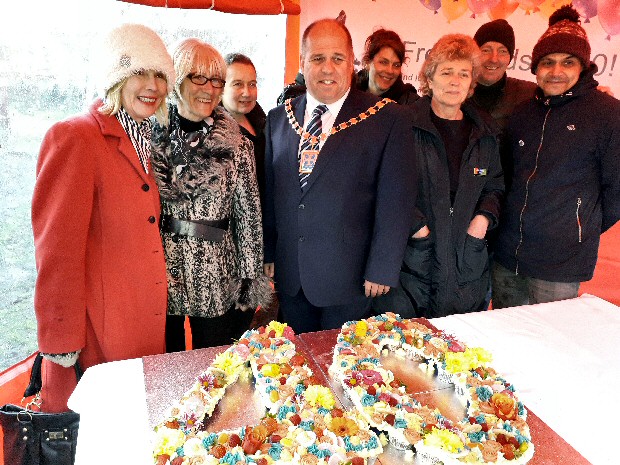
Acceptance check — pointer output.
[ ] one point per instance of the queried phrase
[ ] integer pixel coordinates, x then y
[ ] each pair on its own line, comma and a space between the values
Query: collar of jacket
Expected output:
584, 85
398, 89
483, 123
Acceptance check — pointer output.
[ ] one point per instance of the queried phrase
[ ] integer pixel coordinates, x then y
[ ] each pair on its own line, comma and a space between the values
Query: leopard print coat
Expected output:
210, 175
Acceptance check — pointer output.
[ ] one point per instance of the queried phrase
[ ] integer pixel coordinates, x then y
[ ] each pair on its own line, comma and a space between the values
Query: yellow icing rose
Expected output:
320, 396
445, 440
167, 441
229, 362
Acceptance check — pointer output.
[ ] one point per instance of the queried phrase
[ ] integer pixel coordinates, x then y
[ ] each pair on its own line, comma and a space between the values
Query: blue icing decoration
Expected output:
368, 400
511, 388
350, 447
372, 443
270, 388
344, 364
507, 427
381, 318
230, 458
322, 411
299, 389
209, 440
400, 423
180, 452
275, 450
427, 337
476, 437
521, 408
480, 419
307, 425
520, 438
484, 393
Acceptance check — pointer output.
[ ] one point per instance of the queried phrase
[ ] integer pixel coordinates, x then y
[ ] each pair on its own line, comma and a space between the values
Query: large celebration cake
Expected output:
305, 424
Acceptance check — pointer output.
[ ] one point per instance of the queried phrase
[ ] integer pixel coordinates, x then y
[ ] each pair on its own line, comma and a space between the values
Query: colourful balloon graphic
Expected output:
480, 6
609, 16
549, 6
586, 8
530, 5
432, 5
453, 9
503, 9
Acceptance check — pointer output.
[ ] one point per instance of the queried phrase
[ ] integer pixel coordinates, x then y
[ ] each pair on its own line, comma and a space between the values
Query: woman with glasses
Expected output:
211, 224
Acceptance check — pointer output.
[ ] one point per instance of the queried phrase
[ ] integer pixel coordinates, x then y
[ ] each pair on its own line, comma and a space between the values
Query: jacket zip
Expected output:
527, 191
578, 219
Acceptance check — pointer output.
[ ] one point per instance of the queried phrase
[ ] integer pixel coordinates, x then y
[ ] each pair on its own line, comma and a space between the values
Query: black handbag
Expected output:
32, 437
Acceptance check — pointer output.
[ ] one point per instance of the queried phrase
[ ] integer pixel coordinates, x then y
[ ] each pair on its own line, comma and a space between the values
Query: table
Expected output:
563, 358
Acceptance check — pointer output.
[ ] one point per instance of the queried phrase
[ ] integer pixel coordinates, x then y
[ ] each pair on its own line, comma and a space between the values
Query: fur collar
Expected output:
185, 163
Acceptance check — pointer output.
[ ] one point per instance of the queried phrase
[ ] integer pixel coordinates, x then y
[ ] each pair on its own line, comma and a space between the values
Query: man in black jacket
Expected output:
565, 144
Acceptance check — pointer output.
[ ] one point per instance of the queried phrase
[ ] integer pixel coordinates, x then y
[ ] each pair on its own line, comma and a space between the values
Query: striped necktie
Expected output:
314, 128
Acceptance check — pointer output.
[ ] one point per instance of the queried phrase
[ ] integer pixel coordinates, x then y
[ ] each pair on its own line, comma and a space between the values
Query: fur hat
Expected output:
130, 48
497, 31
565, 35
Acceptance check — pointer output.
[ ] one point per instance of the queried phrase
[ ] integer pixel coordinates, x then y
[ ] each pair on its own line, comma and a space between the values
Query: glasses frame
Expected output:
201, 80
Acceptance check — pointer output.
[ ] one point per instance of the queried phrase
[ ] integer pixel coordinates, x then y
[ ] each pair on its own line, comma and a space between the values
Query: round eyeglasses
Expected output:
201, 80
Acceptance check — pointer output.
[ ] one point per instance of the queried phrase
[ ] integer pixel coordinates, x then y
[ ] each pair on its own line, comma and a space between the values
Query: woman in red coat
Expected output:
101, 287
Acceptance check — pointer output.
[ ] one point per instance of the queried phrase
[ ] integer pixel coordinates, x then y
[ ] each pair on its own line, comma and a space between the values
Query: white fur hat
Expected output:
130, 48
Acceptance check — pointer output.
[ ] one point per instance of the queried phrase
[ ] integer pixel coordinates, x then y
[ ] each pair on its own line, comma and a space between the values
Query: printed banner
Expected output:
421, 22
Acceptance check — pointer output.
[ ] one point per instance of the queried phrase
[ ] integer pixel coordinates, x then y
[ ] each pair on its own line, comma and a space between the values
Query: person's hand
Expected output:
374, 289
243, 308
268, 269
422, 232
478, 226
607, 90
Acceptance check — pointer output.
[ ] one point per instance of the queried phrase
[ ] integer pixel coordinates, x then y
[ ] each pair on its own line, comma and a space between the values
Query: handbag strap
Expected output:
35, 384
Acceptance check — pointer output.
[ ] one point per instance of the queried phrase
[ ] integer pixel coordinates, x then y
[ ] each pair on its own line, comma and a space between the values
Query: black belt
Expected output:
207, 230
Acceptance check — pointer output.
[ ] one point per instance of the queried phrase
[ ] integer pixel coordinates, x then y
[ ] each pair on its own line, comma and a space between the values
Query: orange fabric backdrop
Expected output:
264, 7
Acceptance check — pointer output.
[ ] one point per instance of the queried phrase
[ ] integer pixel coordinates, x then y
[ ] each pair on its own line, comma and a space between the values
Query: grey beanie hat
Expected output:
128, 49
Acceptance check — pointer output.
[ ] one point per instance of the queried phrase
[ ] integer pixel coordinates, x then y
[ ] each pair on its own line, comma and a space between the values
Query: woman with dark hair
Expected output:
384, 55
240, 100
445, 269
211, 220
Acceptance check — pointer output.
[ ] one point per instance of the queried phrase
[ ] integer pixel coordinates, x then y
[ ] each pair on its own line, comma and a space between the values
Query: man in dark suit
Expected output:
340, 200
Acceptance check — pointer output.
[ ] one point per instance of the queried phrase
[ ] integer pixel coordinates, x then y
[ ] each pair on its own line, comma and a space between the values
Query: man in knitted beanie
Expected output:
565, 147
495, 92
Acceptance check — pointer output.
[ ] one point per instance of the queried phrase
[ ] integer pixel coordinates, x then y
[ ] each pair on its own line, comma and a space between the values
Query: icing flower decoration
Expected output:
277, 327
355, 379
343, 427
370, 377
229, 362
444, 439
504, 405
168, 441
361, 328
320, 396
206, 380
472, 358
271, 369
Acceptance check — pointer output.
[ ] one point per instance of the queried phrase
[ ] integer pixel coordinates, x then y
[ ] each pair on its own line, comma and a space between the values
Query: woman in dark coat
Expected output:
211, 221
384, 55
240, 100
445, 269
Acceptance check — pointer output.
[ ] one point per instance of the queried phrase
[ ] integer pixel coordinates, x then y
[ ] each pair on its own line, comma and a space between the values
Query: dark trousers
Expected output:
304, 317
207, 332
